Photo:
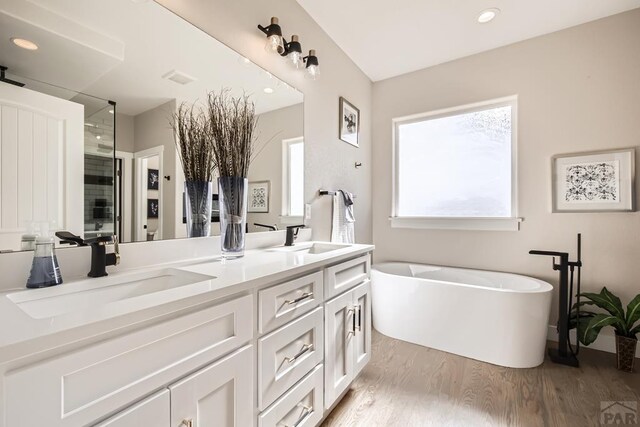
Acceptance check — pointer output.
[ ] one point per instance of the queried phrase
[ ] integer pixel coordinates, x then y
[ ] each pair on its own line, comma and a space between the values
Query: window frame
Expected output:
511, 223
286, 217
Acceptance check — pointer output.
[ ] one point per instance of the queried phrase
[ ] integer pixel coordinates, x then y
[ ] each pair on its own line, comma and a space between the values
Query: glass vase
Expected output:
232, 193
198, 197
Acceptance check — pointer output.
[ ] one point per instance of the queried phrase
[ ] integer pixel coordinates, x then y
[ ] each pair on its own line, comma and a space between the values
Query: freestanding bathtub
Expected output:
498, 318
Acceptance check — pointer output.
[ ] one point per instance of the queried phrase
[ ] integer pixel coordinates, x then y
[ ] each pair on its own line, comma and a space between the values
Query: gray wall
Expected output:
329, 162
273, 127
151, 129
579, 90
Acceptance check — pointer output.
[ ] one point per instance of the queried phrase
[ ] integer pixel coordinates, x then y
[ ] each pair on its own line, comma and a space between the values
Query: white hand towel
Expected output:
342, 229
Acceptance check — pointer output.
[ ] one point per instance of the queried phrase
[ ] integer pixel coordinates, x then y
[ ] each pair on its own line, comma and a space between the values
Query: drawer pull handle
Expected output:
352, 312
307, 411
359, 317
300, 298
305, 348
187, 423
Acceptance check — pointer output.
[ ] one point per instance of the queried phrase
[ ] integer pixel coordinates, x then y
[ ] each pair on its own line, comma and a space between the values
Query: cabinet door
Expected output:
153, 411
362, 338
339, 333
220, 395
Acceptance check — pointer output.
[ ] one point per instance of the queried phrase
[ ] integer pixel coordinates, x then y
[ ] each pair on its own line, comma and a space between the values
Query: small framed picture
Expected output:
598, 181
259, 196
153, 208
349, 123
153, 179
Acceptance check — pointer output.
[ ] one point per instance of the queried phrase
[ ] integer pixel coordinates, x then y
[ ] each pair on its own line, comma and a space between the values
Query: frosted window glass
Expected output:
456, 166
296, 179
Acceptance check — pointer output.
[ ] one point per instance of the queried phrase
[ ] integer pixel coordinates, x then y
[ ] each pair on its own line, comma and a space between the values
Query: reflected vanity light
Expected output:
291, 50
24, 43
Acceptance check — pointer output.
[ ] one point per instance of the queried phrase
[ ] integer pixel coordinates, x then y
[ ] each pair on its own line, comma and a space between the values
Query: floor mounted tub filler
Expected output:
493, 317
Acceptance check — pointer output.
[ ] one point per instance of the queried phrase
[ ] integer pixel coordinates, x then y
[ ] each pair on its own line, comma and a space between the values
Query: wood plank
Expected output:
9, 189
25, 167
410, 385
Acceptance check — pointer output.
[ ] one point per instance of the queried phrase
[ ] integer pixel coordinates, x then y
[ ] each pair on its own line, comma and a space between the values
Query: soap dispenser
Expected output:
45, 270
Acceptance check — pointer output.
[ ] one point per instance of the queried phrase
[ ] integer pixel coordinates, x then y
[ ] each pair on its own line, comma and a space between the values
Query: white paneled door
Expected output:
41, 163
220, 395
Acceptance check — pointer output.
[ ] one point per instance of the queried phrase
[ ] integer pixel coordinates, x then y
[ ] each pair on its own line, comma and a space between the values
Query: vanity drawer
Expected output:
288, 354
282, 303
151, 411
80, 387
300, 407
342, 277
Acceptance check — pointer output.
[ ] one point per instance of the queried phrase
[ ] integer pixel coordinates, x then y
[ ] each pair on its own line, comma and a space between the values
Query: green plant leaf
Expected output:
635, 331
607, 301
597, 322
633, 311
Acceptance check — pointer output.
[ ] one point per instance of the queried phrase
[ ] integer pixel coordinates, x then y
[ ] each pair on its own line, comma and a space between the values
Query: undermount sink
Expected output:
311, 248
92, 293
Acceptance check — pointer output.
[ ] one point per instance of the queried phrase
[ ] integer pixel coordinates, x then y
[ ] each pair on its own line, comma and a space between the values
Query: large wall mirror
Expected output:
86, 107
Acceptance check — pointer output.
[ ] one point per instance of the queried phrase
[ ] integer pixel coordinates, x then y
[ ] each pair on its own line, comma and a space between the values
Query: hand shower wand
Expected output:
564, 354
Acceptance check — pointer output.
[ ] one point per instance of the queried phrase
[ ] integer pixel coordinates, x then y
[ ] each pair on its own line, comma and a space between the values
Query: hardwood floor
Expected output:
410, 385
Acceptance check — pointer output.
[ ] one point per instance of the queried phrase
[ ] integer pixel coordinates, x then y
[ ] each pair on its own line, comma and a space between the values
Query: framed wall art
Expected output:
259, 196
598, 181
349, 123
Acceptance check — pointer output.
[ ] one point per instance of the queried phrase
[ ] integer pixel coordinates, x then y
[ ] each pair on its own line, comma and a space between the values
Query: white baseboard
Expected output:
604, 342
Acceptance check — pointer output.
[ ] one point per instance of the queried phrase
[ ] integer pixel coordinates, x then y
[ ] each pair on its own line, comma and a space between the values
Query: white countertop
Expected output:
21, 334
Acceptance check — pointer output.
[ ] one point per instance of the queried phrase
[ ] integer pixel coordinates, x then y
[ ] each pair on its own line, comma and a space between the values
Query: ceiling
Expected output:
120, 50
387, 39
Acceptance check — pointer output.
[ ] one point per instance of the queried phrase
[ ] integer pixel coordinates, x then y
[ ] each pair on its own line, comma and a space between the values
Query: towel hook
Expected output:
358, 164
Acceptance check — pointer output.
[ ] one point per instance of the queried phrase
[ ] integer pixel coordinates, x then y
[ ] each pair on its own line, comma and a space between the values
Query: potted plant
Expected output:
231, 123
590, 323
198, 164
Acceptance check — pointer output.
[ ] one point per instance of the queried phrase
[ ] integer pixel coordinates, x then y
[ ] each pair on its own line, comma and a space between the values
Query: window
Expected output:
455, 168
293, 179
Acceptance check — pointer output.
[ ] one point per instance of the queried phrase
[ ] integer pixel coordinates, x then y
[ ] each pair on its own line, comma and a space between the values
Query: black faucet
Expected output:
564, 354
292, 234
99, 257
269, 227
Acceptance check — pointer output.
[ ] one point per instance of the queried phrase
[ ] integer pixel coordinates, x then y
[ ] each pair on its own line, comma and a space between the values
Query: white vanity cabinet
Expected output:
347, 339
272, 355
83, 386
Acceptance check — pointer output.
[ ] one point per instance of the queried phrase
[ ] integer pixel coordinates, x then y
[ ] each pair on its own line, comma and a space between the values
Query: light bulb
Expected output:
312, 72
274, 44
295, 59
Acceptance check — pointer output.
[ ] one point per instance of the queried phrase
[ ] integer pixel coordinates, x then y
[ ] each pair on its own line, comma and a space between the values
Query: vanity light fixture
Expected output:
275, 42
488, 15
291, 50
312, 70
24, 43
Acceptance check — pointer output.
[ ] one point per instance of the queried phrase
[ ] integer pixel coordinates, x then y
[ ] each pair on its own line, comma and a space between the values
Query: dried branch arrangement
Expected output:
194, 143
231, 126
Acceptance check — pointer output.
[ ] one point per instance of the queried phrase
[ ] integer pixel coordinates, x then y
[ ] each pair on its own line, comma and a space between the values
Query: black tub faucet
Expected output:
99, 257
292, 234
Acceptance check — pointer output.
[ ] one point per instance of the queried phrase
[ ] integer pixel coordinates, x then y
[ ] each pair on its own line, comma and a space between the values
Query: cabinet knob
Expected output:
186, 423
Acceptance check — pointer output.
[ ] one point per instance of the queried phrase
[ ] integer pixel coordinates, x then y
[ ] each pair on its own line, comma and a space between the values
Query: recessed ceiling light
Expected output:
24, 43
98, 137
268, 90
488, 15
